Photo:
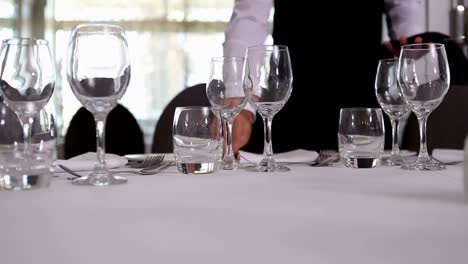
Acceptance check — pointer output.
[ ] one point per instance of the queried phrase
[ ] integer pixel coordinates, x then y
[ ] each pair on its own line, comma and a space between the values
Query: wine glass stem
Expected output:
395, 127
268, 148
26, 123
423, 155
100, 120
229, 152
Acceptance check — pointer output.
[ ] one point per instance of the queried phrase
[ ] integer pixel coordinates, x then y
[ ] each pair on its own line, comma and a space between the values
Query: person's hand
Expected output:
395, 49
242, 129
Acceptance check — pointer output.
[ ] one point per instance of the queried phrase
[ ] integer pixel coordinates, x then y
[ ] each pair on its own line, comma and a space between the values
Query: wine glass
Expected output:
424, 77
27, 80
98, 71
269, 81
392, 102
226, 94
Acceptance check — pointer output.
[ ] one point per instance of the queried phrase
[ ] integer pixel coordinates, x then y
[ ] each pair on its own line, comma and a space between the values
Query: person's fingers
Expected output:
418, 40
390, 48
242, 129
403, 40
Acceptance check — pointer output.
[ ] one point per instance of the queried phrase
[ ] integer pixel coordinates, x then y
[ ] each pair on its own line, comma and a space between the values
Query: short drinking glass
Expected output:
20, 170
197, 140
361, 137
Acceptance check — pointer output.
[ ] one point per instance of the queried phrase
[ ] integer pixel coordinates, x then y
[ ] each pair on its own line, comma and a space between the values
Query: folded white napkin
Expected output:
448, 155
85, 162
298, 155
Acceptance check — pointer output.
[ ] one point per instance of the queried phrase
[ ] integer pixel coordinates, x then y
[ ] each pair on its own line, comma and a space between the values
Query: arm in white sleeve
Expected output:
248, 26
407, 17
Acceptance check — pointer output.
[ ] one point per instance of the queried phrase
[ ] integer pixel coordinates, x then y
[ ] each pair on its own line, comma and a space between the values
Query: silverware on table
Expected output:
325, 158
152, 165
152, 160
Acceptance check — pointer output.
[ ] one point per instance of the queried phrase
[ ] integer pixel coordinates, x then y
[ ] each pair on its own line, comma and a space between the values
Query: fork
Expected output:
152, 160
152, 165
325, 158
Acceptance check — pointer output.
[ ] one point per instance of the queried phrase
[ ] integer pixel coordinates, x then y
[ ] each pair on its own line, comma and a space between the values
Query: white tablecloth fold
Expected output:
298, 155
85, 162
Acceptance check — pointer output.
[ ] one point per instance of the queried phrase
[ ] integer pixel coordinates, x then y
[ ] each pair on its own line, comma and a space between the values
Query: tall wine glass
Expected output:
98, 71
392, 102
226, 94
269, 81
424, 78
27, 80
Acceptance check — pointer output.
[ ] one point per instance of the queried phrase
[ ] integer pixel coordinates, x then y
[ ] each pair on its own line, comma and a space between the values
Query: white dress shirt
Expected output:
249, 22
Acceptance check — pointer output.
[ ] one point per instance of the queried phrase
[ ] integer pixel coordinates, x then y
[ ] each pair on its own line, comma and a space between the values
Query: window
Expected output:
7, 19
170, 41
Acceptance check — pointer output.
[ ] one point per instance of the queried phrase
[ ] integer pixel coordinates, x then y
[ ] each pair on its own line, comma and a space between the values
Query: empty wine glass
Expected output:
424, 77
269, 81
225, 91
27, 80
98, 71
392, 102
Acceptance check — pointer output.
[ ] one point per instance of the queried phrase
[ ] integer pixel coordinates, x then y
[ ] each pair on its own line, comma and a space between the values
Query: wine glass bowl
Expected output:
226, 94
269, 81
98, 71
424, 79
392, 102
27, 79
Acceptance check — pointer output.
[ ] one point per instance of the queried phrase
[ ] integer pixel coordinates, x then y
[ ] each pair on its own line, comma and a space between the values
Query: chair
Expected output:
191, 96
447, 125
122, 134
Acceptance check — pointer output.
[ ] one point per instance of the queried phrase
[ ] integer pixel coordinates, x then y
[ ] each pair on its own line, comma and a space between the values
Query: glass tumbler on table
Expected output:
392, 102
197, 140
361, 137
424, 78
21, 170
98, 71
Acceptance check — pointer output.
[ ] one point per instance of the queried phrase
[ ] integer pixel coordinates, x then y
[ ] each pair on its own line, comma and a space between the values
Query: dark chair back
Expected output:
123, 135
447, 125
191, 96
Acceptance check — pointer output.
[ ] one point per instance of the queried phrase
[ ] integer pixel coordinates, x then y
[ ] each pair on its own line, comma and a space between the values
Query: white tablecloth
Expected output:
309, 215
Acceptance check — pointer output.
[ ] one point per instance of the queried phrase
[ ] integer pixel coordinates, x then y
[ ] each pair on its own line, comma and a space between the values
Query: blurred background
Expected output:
171, 43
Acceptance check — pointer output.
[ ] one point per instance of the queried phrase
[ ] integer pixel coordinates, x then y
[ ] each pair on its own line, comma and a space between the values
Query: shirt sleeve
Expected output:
248, 26
405, 17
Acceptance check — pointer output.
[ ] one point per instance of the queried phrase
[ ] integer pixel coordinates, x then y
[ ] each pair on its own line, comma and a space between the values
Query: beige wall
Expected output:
438, 15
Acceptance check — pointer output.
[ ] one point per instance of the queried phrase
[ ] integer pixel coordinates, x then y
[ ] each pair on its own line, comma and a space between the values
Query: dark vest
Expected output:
334, 49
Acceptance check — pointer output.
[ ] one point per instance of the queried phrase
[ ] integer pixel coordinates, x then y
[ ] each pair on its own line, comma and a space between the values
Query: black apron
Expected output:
334, 49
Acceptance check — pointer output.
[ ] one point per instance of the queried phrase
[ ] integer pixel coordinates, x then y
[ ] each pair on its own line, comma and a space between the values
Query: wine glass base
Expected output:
431, 164
393, 161
267, 168
229, 163
100, 180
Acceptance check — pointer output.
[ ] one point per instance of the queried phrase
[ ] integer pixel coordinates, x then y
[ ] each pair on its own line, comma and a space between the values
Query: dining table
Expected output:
329, 214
